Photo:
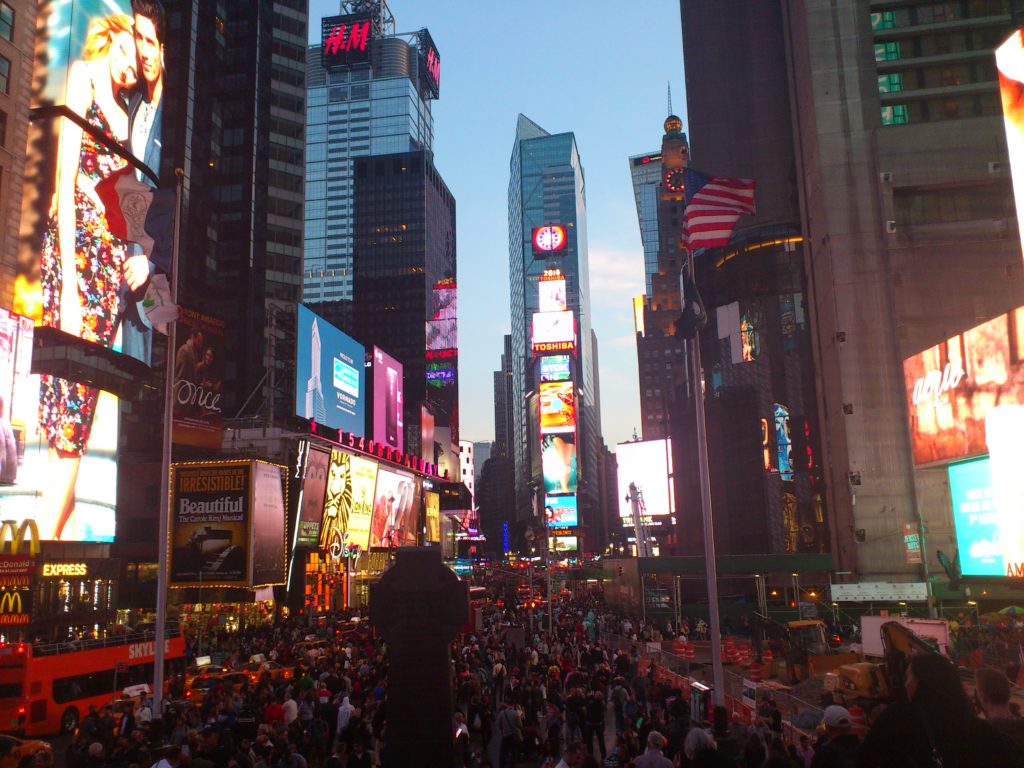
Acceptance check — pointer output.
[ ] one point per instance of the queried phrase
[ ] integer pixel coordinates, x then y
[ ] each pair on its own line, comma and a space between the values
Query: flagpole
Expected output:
710, 566
165, 468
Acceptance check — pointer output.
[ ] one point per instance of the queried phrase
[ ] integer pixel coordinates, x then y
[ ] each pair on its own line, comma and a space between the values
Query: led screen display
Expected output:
364, 481
552, 295
442, 334
961, 392
388, 421
557, 407
209, 525
553, 327
558, 463
329, 374
1010, 63
393, 513
550, 237
983, 546
783, 441
268, 525
313, 466
648, 464
337, 503
345, 40
554, 368
561, 544
102, 65
561, 511
432, 506
71, 495
198, 380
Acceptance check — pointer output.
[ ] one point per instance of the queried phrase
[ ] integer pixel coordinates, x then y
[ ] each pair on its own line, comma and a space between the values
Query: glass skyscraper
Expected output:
646, 173
546, 188
380, 106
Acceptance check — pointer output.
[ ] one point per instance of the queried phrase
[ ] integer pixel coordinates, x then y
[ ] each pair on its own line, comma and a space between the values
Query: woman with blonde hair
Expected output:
83, 265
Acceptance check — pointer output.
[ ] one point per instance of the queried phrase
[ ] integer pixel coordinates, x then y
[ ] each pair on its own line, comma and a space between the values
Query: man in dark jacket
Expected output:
838, 748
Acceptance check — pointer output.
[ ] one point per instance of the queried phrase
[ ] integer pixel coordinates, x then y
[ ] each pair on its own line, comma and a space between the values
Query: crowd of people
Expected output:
579, 695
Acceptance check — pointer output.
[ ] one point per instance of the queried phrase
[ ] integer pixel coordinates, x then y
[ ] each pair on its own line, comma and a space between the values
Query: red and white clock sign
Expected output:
549, 238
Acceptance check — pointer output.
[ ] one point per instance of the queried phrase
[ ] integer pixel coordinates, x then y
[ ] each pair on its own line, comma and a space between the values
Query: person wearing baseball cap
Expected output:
838, 746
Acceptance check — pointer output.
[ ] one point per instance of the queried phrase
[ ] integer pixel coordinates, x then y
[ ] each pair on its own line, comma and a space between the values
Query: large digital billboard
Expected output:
553, 332
442, 334
561, 544
960, 392
312, 466
360, 519
209, 532
554, 368
561, 511
648, 464
393, 514
58, 464
1010, 63
551, 290
430, 63
345, 40
198, 380
388, 421
557, 407
982, 544
558, 462
97, 97
268, 525
330, 371
337, 503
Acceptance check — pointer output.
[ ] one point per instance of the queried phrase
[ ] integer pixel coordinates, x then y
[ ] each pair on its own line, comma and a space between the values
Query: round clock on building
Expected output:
674, 180
549, 238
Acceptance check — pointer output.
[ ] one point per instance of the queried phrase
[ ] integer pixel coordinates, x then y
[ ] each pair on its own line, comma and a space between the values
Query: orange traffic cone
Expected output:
691, 653
744, 656
767, 658
754, 671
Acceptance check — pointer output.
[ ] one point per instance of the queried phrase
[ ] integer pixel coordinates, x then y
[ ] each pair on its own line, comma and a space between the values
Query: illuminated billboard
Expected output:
561, 511
551, 292
364, 481
58, 464
442, 334
393, 514
101, 66
432, 506
312, 469
558, 463
553, 332
1010, 63
648, 464
554, 368
330, 372
388, 420
550, 237
429, 63
268, 525
783, 441
984, 546
345, 40
557, 407
198, 380
209, 524
961, 392
561, 544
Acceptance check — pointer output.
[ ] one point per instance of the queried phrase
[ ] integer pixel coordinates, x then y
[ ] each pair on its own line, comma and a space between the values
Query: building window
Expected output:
890, 83
887, 51
3, 128
894, 114
6, 22
5, 74
883, 20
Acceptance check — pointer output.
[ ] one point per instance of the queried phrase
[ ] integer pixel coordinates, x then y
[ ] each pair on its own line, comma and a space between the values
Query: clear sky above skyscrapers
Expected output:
594, 67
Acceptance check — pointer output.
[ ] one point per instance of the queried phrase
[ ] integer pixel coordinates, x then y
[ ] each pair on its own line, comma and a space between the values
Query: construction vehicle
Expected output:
803, 644
872, 685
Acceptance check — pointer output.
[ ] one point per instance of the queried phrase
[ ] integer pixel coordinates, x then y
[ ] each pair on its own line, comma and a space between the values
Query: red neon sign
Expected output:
434, 66
554, 346
358, 34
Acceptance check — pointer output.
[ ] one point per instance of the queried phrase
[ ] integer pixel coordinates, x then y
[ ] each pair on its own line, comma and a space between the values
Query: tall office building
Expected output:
551, 324
503, 403
369, 93
878, 128
404, 264
645, 170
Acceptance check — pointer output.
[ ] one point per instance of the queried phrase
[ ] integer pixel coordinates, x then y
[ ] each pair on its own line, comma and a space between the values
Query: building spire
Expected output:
670, 97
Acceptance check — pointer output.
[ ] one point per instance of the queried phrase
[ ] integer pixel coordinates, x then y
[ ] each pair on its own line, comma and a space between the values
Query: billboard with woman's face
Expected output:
96, 122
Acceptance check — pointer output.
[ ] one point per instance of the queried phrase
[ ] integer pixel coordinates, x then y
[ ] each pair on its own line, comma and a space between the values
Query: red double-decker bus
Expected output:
48, 688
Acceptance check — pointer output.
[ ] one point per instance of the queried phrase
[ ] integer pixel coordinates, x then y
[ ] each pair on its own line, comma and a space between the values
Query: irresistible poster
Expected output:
364, 481
558, 462
210, 524
268, 524
392, 509
199, 380
967, 390
70, 495
388, 419
314, 465
557, 407
337, 503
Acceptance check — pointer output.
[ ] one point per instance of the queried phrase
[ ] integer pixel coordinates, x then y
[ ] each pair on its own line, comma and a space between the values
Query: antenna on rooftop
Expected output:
670, 97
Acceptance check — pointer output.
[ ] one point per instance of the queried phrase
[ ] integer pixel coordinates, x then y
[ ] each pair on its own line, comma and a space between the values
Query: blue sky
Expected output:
597, 68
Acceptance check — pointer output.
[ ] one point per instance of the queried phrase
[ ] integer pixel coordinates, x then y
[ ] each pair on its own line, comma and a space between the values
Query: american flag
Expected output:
713, 205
